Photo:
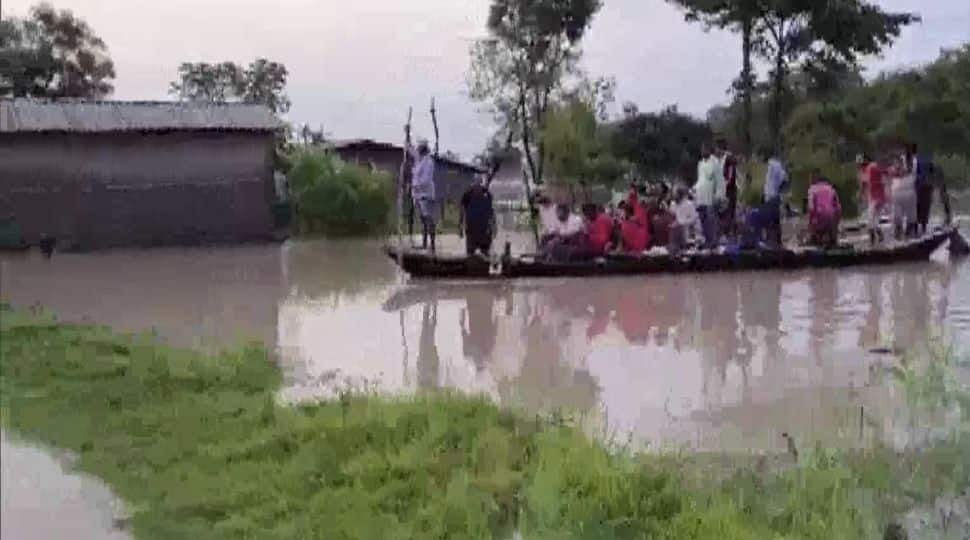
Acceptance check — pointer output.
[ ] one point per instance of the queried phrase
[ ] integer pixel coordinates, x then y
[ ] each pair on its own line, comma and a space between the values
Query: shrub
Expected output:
337, 198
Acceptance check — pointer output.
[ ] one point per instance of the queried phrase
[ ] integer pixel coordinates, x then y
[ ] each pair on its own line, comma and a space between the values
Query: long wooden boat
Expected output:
421, 264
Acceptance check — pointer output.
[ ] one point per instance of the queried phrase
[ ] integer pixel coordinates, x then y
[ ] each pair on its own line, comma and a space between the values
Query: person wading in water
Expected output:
476, 218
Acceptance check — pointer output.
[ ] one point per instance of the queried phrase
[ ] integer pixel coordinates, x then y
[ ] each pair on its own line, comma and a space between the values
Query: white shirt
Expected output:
572, 225
685, 213
705, 190
547, 219
422, 179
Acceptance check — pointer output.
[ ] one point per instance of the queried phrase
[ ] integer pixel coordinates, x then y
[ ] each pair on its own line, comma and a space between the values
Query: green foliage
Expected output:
263, 81
533, 47
664, 144
53, 54
955, 169
577, 147
333, 197
200, 448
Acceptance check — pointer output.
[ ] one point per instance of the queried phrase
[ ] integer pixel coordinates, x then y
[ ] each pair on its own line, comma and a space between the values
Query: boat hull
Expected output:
422, 265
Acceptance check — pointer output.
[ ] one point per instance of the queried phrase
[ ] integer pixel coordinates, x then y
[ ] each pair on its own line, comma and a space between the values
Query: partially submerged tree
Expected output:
533, 47
819, 37
661, 144
738, 16
53, 54
263, 81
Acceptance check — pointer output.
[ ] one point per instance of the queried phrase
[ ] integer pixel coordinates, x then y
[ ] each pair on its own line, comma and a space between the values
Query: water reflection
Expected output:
720, 360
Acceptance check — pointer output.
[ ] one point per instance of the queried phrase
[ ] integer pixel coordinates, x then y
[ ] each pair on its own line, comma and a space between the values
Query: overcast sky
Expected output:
356, 65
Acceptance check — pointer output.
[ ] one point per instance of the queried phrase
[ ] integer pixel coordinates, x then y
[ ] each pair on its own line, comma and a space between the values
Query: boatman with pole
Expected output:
423, 192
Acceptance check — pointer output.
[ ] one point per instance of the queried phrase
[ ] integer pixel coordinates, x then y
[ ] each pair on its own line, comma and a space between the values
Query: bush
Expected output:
333, 197
955, 169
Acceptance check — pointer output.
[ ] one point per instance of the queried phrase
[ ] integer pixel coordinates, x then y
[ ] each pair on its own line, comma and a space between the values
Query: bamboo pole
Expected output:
400, 191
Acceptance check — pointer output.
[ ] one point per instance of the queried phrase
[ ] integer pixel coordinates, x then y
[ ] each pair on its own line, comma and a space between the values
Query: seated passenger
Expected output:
568, 239
634, 235
686, 225
599, 229
824, 212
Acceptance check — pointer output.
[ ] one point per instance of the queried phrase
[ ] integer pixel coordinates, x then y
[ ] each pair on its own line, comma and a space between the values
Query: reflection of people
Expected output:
479, 327
428, 361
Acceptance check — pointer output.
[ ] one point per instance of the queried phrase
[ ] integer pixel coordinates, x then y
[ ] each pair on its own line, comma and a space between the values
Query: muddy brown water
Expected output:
714, 361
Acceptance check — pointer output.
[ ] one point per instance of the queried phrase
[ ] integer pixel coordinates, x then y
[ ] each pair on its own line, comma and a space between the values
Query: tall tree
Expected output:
263, 81
533, 47
663, 144
738, 16
53, 54
819, 36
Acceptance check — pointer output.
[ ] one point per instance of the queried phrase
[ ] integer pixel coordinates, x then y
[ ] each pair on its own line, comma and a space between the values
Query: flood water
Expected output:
714, 361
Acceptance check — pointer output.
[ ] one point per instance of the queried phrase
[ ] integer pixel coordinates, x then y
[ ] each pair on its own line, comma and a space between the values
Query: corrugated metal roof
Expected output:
24, 115
349, 144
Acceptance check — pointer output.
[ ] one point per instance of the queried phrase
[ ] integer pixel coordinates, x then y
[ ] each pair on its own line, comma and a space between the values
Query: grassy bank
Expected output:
200, 448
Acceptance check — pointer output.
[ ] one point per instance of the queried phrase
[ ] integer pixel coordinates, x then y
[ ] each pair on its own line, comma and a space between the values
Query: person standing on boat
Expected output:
904, 198
476, 218
729, 170
874, 191
423, 192
706, 195
824, 211
922, 167
776, 182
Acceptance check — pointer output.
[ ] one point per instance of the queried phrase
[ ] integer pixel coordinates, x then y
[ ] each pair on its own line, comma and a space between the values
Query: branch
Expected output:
434, 122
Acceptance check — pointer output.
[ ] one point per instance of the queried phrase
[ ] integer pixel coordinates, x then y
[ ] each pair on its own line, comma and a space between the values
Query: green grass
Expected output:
200, 448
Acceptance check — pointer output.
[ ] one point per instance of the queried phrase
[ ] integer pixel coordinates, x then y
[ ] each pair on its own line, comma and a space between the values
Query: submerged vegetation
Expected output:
200, 448
337, 198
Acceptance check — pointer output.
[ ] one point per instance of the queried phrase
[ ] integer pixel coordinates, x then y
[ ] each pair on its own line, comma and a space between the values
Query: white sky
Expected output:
355, 66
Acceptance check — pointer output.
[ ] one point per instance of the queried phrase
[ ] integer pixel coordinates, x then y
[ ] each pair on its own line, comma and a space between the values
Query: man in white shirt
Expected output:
568, 238
423, 192
707, 193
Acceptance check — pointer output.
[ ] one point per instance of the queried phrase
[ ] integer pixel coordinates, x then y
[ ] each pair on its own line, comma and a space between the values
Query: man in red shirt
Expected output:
633, 230
599, 229
873, 188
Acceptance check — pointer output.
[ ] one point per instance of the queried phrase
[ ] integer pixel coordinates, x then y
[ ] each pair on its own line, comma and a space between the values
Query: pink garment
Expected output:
823, 203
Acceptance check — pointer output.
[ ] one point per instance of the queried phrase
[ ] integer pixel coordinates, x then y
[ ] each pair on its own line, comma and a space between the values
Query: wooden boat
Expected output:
420, 264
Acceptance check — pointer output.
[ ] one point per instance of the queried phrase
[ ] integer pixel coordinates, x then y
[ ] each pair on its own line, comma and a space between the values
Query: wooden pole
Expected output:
434, 123
400, 190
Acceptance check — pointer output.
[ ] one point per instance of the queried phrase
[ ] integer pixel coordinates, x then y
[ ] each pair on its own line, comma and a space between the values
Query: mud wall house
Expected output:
102, 174
451, 177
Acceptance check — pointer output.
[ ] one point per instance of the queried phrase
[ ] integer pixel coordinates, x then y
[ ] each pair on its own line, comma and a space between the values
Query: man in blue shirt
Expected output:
776, 182
922, 168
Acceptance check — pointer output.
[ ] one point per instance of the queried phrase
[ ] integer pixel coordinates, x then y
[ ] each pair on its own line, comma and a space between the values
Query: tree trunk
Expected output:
746, 84
778, 88
527, 148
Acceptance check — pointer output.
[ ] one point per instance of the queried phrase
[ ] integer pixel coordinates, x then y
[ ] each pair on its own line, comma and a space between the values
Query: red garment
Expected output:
730, 170
639, 212
635, 236
875, 185
599, 231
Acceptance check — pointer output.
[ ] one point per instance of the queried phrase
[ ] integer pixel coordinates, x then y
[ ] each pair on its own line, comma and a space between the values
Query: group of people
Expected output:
707, 215
903, 184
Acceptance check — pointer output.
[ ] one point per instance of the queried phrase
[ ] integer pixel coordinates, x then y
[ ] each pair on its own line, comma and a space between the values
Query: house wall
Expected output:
450, 181
102, 190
